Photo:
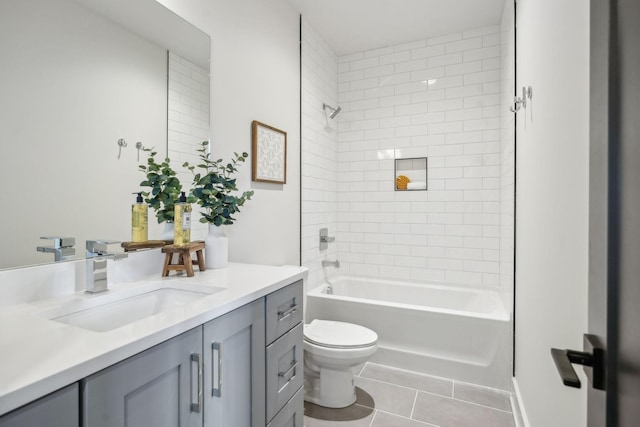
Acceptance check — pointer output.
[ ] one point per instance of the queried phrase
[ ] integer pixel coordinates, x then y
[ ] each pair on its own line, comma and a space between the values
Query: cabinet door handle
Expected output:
196, 407
287, 313
216, 347
292, 367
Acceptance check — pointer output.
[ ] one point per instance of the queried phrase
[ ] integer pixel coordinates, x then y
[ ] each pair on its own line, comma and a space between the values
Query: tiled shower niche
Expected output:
411, 174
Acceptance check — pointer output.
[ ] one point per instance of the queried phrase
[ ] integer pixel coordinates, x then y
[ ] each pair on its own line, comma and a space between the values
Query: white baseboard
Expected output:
518, 407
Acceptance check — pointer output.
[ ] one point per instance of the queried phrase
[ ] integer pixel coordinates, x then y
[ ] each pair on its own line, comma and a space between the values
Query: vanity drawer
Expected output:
283, 310
285, 370
292, 415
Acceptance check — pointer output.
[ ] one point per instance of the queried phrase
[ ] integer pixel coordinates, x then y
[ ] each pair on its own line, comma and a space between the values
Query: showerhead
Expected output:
334, 111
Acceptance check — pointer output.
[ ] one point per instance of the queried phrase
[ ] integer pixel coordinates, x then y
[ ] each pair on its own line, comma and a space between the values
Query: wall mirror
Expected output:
77, 76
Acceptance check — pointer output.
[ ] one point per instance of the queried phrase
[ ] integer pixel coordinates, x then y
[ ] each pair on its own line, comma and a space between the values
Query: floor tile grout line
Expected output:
450, 394
414, 373
481, 405
465, 401
393, 368
375, 412
410, 419
482, 388
437, 378
413, 407
364, 365
397, 385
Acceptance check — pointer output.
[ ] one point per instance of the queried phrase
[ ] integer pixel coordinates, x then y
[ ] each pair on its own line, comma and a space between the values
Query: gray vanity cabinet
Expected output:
59, 409
158, 387
234, 363
242, 369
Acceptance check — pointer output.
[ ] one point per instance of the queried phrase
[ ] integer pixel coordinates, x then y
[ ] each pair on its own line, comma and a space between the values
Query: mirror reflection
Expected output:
79, 92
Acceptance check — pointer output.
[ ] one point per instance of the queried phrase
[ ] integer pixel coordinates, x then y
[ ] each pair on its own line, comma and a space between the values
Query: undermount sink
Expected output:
113, 314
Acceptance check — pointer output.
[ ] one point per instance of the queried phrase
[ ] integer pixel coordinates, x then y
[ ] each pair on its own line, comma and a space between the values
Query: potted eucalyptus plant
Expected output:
216, 192
164, 190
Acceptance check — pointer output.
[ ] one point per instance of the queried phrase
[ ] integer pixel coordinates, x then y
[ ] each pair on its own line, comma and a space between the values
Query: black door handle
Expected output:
592, 359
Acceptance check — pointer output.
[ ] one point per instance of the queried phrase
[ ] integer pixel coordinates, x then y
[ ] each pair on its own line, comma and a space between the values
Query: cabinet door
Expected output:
59, 409
159, 387
234, 368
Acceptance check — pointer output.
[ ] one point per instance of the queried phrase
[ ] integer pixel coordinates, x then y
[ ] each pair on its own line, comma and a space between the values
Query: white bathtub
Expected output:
447, 331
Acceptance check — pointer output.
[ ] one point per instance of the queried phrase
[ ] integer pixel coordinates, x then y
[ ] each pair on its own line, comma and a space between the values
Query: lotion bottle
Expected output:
139, 216
182, 222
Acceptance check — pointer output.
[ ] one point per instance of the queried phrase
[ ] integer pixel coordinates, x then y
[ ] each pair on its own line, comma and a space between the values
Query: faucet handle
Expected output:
325, 239
99, 246
61, 242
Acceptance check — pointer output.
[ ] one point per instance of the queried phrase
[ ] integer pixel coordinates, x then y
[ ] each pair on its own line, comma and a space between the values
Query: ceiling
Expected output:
350, 26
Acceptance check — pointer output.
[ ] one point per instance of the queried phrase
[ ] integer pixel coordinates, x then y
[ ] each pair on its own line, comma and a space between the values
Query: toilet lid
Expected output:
328, 333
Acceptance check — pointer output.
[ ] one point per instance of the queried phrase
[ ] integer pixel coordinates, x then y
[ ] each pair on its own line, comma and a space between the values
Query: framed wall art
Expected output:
269, 153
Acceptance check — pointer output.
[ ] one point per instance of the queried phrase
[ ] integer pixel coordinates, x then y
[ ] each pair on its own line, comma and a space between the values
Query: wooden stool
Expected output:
185, 263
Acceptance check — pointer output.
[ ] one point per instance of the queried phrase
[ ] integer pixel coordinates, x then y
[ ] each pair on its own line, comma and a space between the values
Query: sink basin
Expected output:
118, 313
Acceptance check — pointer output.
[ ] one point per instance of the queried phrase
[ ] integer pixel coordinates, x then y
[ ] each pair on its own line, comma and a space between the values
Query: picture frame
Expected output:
269, 153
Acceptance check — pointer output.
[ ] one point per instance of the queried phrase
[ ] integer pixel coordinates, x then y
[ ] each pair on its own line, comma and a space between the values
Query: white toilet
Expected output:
331, 350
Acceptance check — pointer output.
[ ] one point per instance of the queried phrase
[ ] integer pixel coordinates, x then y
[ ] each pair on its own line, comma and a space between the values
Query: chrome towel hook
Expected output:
517, 101
521, 102
139, 146
121, 143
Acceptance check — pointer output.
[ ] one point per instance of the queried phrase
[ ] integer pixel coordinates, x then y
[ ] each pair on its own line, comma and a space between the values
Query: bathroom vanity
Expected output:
231, 357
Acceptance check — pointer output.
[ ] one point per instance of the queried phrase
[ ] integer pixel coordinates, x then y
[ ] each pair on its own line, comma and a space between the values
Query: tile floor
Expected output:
389, 397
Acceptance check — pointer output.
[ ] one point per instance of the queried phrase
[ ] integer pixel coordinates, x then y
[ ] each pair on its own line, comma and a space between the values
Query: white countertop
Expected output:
39, 356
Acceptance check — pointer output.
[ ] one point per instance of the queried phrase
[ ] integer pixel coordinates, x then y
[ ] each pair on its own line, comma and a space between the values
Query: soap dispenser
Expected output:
182, 222
139, 226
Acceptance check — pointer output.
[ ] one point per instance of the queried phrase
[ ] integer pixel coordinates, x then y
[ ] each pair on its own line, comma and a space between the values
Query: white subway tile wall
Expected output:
188, 121
439, 98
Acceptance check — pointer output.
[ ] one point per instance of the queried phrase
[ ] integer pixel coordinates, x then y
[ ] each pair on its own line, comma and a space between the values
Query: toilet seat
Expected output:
339, 335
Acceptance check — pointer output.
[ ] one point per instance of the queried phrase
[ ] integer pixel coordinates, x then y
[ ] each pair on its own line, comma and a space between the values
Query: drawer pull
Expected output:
292, 367
287, 313
196, 407
217, 390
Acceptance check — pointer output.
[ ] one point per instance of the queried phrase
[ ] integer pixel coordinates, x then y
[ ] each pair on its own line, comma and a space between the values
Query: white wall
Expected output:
552, 205
255, 76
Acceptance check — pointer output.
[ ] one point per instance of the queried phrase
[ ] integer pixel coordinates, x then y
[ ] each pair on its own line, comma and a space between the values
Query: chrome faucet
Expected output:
62, 248
97, 257
326, 263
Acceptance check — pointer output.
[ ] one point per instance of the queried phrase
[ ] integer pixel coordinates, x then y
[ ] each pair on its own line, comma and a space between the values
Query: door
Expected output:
159, 387
614, 211
623, 269
234, 366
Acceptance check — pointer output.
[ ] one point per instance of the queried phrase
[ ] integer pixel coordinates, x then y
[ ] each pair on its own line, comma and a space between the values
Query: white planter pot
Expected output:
167, 233
216, 248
